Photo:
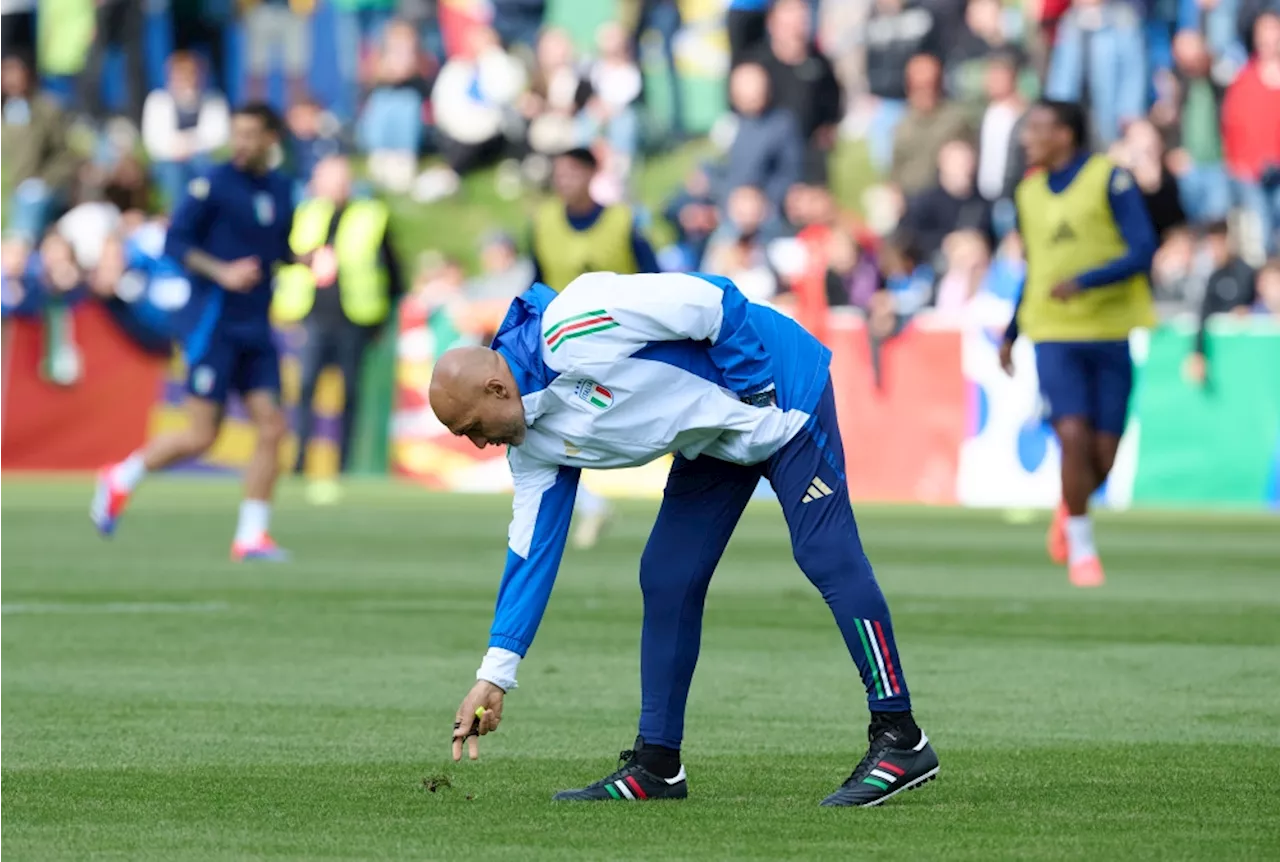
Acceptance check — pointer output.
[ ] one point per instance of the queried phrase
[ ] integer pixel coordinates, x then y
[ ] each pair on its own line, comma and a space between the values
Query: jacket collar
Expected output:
519, 339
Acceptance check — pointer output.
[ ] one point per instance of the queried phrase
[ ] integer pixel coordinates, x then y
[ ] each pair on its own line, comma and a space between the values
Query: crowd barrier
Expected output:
942, 424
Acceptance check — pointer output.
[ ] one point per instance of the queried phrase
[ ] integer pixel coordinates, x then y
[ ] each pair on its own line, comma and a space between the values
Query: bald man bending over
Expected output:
618, 370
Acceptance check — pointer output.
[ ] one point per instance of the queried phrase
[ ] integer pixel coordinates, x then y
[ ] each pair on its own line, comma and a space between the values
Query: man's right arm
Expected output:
542, 509
188, 228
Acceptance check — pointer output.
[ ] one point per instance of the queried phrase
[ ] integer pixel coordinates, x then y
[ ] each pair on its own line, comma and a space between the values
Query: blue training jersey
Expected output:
233, 214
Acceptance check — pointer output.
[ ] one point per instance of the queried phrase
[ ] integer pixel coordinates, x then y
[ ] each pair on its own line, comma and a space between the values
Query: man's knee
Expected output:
1074, 434
829, 563
272, 427
201, 435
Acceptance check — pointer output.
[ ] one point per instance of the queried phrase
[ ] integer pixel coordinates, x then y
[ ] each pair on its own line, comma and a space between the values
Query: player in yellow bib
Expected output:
1089, 242
573, 235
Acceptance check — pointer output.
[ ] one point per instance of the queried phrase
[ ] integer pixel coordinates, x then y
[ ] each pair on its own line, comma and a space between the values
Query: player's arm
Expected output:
541, 511
646, 260
1136, 228
188, 229
697, 307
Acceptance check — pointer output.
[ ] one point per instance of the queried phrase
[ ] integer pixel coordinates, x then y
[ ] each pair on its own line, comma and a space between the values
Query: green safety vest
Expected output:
362, 279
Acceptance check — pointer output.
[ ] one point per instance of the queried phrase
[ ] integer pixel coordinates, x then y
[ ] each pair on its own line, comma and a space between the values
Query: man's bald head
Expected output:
474, 394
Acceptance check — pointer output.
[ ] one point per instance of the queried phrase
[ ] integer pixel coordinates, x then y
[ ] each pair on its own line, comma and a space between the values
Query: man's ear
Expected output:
496, 387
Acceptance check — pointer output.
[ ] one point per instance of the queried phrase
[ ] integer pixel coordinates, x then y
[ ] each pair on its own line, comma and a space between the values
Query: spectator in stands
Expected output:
983, 37
342, 297
557, 94
615, 87
745, 24
693, 215
768, 148
277, 28
474, 103
359, 29
1251, 131
953, 204
39, 162
1197, 162
200, 26
1268, 287
1217, 21
894, 34
391, 125
662, 18
573, 234
1230, 290
518, 21
504, 272
1000, 164
182, 124
119, 26
18, 27
1142, 151
930, 122
424, 17
313, 136
965, 257
738, 248
1100, 60
802, 81
906, 286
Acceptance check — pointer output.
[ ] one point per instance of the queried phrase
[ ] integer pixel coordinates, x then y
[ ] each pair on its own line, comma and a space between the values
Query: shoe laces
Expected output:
625, 760
879, 745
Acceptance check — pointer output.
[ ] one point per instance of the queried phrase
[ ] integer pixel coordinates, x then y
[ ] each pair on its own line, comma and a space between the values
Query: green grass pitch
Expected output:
160, 703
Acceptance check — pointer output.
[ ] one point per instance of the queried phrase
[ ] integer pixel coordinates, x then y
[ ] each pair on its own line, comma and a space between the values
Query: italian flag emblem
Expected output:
587, 323
594, 394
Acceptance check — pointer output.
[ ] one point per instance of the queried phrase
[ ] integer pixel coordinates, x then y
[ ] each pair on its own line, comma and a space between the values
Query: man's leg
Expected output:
207, 384
1066, 372
808, 476
352, 342
701, 505
316, 354
258, 379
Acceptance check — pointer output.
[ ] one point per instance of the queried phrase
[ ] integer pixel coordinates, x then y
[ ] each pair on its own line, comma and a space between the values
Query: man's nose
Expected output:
478, 441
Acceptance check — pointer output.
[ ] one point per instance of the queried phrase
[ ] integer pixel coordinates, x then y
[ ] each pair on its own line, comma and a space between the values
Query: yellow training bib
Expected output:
1065, 235
565, 253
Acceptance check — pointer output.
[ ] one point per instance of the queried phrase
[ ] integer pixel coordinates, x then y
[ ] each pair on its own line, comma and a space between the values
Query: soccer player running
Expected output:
227, 232
618, 370
1089, 242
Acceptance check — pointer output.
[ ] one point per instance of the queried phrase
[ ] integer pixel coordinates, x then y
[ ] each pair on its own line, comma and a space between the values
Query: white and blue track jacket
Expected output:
615, 371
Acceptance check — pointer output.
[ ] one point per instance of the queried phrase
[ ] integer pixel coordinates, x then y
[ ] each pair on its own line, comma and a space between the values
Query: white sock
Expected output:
255, 517
128, 473
1080, 539
589, 503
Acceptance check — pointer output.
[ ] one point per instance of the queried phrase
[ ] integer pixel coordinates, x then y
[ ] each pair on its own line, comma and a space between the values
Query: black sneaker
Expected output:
890, 767
631, 783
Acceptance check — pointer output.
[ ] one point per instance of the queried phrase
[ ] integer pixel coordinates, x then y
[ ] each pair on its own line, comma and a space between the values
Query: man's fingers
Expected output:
473, 747
457, 748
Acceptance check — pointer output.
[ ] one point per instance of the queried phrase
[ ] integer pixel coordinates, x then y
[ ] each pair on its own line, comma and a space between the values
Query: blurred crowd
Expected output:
1184, 93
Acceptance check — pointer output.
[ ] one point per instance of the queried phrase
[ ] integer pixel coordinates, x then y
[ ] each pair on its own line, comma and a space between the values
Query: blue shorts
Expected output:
1090, 379
229, 364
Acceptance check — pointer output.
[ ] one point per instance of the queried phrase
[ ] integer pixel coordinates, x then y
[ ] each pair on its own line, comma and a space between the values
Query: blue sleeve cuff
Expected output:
504, 642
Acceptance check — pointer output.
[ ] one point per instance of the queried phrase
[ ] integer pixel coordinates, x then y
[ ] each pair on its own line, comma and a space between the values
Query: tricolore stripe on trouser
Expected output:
883, 674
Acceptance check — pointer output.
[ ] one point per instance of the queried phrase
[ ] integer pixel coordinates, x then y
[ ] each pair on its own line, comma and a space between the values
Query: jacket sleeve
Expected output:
542, 508
191, 219
693, 307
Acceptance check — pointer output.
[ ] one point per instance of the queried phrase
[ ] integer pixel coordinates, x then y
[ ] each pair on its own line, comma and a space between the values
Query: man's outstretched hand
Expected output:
468, 726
